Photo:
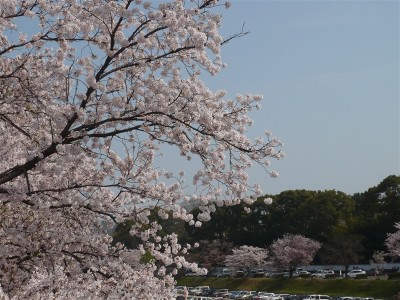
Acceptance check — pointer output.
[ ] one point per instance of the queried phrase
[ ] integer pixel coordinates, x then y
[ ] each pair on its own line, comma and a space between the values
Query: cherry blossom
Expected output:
92, 93
246, 257
292, 251
393, 242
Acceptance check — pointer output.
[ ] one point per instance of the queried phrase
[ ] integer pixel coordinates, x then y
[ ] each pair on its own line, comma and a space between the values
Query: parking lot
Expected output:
205, 292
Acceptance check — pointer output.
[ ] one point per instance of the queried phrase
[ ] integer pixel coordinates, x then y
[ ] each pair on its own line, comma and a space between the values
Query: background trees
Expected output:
91, 94
326, 216
376, 211
315, 214
342, 249
210, 254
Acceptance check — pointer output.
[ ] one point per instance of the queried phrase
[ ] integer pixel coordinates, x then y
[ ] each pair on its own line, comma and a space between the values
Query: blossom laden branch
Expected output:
92, 96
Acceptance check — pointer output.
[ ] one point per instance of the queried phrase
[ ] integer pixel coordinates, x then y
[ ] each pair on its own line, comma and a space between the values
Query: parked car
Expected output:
356, 273
263, 296
219, 272
220, 293
246, 295
239, 274
317, 297
198, 290
294, 274
303, 273
233, 294
208, 292
256, 273
224, 273
237, 294
323, 274
179, 289
249, 295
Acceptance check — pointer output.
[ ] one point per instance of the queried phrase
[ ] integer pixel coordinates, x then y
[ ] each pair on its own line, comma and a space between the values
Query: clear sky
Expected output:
329, 73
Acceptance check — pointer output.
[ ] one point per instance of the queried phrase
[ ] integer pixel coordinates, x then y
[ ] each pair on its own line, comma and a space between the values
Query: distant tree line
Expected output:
350, 228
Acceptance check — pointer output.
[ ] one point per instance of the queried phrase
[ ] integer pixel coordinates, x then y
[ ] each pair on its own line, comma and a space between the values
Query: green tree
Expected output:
342, 249
230, 223
210, 254
376, 211
315, 214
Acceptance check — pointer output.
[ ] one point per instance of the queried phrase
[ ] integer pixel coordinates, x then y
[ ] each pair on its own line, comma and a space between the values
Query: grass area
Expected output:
377, 288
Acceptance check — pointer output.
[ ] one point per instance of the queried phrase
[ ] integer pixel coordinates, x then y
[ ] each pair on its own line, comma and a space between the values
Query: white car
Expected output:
303, 273
198, 290
356, 273
323, 274
263, 296
317, 297
246, 295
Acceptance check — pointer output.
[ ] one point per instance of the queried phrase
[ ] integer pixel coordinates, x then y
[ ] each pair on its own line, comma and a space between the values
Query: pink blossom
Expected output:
393, 241
246, 257
292, 251
90, 97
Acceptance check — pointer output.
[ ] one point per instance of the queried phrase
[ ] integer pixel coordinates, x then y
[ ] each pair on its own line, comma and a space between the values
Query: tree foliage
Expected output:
90, 92
315, 214
342, 249
376, 211
321, 215
210, 254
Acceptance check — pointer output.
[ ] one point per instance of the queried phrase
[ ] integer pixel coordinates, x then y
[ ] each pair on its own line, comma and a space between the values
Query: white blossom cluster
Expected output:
393, 242
247, 257
90, 91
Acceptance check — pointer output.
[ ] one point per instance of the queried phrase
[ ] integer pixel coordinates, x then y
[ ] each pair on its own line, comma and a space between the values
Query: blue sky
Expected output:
329, 73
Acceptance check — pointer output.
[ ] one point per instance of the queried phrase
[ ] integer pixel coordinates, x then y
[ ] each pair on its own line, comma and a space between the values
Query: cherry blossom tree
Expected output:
93, 93
393, 242
246, 257
292, 251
